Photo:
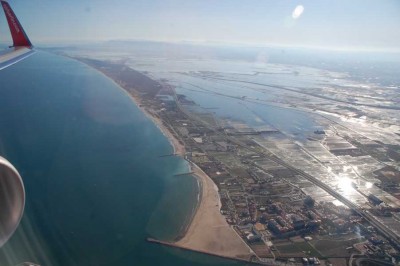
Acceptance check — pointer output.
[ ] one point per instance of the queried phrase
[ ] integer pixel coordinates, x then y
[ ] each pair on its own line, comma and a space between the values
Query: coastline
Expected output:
206, 226
207, 230
178, 147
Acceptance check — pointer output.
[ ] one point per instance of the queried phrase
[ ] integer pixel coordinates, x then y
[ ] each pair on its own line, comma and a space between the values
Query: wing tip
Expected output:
22, 46
20, 38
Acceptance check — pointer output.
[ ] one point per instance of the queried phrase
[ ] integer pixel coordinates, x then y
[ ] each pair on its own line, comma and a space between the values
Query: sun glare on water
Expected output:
345, 184
368, 185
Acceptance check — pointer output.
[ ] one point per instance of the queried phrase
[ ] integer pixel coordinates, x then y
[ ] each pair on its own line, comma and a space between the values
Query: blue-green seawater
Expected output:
96, 187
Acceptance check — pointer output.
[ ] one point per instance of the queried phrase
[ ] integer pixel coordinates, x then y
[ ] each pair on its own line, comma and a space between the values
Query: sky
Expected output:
338, 24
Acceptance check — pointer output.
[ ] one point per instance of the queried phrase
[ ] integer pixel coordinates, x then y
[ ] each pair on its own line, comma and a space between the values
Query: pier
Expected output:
168, 155
174, 245
188, 173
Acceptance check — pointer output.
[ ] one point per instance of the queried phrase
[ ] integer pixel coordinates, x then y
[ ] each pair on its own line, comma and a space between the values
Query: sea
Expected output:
96, 186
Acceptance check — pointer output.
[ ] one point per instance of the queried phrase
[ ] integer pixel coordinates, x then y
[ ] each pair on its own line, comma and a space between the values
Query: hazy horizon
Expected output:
338, 25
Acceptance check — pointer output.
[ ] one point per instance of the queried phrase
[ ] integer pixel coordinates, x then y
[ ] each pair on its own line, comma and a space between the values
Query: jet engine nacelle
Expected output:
12, 200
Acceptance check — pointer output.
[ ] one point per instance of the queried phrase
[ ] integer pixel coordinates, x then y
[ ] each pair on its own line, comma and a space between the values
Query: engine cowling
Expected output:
12, 200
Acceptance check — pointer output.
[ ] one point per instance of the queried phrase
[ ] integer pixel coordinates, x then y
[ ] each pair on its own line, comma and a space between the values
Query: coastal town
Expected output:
258, 205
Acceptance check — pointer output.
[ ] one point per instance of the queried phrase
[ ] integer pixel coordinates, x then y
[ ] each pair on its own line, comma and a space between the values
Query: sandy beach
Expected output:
209, 230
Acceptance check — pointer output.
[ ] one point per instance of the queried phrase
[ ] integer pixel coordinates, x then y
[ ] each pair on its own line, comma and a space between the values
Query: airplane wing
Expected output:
22, 46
